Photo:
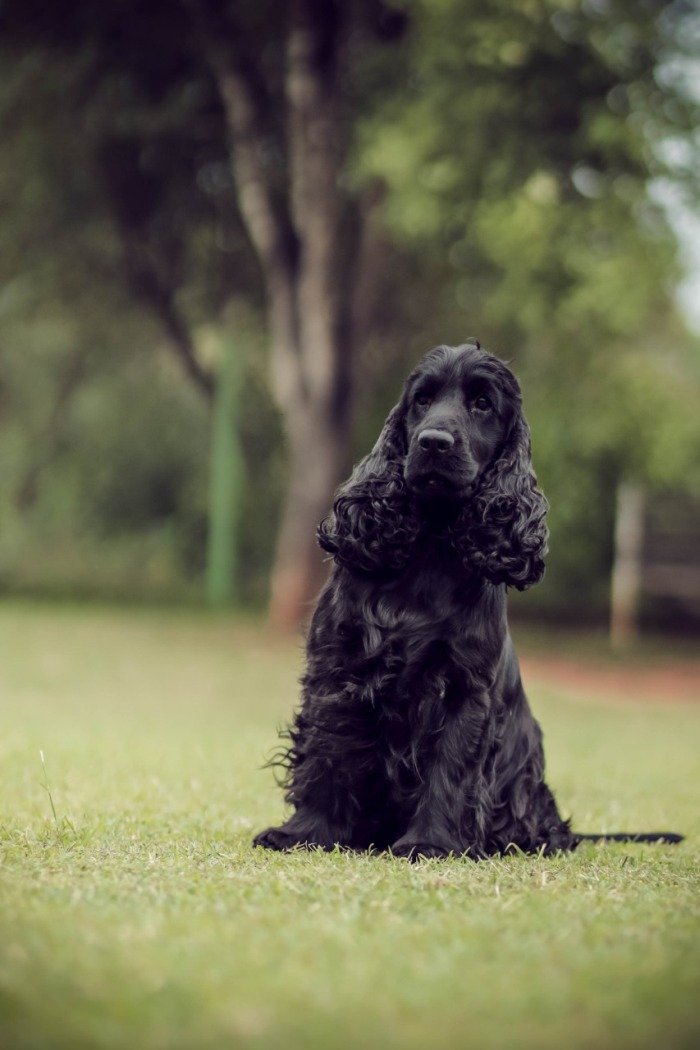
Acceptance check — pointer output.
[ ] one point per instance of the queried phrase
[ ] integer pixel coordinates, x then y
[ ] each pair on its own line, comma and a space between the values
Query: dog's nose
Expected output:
435, 440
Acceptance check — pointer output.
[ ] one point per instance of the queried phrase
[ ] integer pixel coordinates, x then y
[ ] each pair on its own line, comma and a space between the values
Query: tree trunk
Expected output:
297, 238
316, 459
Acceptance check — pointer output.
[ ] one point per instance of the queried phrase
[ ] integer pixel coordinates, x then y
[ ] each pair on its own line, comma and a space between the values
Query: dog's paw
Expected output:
282, 840
277, 839
415, 851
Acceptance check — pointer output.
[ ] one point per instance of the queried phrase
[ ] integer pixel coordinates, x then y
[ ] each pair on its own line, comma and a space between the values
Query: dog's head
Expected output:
459, 406
456, 448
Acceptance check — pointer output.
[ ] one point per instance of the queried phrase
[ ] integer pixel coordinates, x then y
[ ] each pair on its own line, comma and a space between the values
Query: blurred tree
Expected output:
283, 84
508, 148
157, 86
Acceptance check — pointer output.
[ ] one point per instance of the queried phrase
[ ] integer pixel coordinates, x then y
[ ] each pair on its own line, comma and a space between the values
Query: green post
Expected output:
225, 482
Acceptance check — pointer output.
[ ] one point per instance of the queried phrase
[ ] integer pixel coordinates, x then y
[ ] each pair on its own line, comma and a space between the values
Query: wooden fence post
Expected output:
627, 566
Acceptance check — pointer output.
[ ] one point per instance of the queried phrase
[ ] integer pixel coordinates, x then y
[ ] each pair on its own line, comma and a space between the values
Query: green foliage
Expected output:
515, 142
106, 484
518, 152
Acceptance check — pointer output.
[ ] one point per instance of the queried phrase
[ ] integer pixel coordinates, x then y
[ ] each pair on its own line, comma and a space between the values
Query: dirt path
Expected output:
677, 680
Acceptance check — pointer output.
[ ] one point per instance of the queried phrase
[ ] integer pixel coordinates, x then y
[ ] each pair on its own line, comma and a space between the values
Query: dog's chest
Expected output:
425, 605
428, 624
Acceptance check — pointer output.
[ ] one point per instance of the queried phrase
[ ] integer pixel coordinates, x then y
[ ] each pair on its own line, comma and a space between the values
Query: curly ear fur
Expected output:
502, 533
372, 525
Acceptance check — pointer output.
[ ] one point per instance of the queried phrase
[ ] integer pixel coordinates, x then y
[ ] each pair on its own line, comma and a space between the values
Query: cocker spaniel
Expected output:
414, 733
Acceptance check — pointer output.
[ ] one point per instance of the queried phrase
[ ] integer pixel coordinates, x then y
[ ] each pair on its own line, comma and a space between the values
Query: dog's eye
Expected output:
423, 400
483, 404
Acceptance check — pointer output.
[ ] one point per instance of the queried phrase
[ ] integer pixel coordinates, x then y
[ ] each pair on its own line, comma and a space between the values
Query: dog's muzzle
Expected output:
437, 468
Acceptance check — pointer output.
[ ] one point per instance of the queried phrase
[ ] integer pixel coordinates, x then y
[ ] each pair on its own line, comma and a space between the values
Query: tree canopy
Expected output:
491, 175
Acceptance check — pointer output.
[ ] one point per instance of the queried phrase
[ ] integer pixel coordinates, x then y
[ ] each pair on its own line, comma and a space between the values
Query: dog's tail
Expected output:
630, 836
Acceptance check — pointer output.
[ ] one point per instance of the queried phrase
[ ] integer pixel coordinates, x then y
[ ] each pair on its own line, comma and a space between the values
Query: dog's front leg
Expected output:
304, 828
330, 775
451, 812
323, 808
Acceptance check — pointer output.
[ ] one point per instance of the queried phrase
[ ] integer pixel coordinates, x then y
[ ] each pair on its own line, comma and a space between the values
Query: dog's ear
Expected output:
371, 527
505, 533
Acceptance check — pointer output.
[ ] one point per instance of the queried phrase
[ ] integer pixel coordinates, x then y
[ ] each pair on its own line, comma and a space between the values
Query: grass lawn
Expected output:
140, 917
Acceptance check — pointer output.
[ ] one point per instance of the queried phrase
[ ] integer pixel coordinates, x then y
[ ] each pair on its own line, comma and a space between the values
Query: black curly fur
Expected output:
373, 524
414, 732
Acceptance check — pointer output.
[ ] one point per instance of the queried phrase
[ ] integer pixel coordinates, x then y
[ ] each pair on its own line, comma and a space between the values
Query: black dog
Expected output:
415, 734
